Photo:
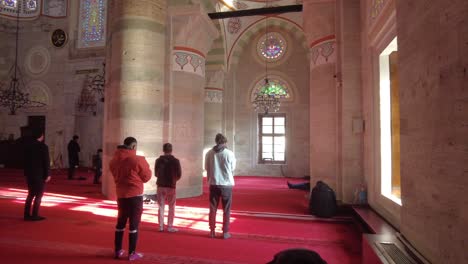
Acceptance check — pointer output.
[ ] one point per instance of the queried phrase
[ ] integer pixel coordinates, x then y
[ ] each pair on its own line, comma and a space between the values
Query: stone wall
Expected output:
433, 57
433, 54
245, 124
56, 73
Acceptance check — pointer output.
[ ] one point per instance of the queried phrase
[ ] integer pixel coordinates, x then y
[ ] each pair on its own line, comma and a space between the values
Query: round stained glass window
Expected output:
272, 46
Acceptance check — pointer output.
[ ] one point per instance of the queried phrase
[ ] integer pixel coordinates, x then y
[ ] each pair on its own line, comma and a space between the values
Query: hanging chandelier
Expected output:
11, 95
266, 98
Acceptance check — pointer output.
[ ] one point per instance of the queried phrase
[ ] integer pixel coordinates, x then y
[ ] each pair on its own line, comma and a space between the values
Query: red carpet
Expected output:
80, 225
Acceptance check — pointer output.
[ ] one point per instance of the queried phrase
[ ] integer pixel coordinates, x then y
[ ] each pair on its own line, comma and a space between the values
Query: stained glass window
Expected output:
25, 8
31, 5
92, 23
274, 88
272, 46
9, 3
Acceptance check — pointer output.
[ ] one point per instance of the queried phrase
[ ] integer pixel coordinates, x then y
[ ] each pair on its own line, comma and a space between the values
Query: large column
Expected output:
134, 81
192, 35
351, 125
319, 27
214, 92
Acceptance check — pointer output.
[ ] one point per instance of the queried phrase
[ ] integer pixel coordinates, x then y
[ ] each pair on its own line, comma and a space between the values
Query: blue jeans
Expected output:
225, 194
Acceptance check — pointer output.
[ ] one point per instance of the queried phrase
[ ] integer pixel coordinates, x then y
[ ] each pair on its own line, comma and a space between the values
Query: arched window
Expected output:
276, 86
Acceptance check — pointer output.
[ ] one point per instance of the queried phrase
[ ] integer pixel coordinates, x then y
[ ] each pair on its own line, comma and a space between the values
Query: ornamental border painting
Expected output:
92, 24
55, 8
28, 9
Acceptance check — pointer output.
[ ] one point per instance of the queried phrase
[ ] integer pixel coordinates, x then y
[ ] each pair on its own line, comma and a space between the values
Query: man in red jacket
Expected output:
130, 172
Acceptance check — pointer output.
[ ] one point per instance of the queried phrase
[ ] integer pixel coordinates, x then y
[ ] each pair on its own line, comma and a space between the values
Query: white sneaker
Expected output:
172, 229
161, 229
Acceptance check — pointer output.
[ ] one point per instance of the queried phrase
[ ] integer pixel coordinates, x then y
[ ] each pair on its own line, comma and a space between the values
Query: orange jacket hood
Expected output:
130, 172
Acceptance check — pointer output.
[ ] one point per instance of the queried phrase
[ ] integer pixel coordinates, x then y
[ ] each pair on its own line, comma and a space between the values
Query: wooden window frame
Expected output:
261, 134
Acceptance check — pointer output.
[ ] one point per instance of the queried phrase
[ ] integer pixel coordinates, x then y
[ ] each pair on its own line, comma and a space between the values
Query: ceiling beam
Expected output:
256, 11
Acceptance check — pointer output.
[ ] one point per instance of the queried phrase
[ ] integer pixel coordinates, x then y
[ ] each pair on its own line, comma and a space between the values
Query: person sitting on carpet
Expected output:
297, 256
220, 163
168, 171
130, 172
36, 170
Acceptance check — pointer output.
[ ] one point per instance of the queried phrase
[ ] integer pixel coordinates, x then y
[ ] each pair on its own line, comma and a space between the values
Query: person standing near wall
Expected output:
168, 171
73, 156
130, 172
97, 164
36, 170
220, 164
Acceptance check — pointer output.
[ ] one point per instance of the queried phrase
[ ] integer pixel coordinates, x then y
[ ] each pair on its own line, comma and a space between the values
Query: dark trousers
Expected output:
131, 209
97, 175
224, 193
35, 192
300, 186
71, 171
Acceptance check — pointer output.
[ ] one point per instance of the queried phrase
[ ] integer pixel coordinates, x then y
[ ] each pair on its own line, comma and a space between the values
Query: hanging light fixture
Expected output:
266, 98
11, 95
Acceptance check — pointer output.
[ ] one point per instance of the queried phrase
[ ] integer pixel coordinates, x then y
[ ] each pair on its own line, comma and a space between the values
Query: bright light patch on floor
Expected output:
195, 218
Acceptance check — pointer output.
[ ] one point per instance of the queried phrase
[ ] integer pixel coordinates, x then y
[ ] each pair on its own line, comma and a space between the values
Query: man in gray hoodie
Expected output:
168, 171
220, 164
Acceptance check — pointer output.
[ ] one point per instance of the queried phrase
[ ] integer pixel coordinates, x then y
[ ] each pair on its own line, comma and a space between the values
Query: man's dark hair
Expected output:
220, 139
167, 148
129, 141
75, 137
37, 133
297, 256
99, 150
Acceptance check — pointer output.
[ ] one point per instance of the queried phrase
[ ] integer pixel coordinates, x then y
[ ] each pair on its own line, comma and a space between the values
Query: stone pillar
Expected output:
192, 34
134, 82
214, 91
349, 98
319, 27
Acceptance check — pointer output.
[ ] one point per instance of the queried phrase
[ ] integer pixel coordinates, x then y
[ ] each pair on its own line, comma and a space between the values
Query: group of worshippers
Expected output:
130, 172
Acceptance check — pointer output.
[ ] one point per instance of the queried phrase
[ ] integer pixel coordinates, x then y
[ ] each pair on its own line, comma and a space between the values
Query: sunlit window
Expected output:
390, 123
272, 137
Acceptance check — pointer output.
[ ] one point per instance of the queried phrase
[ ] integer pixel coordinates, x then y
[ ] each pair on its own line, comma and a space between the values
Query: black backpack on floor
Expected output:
322, 200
